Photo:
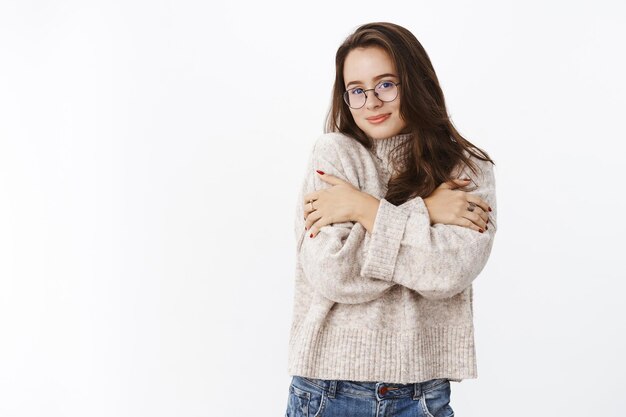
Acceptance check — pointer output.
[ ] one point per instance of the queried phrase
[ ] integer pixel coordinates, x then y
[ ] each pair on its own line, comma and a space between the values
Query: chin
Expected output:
382, 133
389, 128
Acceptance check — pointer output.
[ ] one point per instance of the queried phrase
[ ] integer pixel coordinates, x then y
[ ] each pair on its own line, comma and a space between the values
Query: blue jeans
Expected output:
310, 397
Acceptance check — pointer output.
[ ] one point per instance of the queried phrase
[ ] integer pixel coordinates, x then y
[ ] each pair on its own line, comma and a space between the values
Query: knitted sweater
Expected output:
394, 305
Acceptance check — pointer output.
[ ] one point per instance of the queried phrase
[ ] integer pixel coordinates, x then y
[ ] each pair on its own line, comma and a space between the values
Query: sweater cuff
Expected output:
384, 243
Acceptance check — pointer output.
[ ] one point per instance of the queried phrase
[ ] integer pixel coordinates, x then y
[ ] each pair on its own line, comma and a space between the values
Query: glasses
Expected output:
385, 91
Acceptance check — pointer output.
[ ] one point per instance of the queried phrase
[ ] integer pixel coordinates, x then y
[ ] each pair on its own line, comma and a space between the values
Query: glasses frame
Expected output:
347, 100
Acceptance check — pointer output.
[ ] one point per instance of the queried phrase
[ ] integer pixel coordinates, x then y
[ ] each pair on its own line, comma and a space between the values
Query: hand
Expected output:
336, 204
449, 206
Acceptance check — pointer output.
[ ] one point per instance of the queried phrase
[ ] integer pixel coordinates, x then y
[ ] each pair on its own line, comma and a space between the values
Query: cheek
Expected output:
397, 110
357, 119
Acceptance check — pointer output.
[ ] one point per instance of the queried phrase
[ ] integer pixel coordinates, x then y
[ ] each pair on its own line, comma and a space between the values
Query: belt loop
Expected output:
417, 390
332, 389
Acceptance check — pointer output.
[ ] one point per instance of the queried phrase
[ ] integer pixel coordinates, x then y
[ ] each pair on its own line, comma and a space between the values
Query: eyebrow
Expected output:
375, 78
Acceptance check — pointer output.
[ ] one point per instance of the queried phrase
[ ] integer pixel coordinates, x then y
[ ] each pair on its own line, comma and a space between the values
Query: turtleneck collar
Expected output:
382, 148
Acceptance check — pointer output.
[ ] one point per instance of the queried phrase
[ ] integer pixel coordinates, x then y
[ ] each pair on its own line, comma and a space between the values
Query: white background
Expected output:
150, 158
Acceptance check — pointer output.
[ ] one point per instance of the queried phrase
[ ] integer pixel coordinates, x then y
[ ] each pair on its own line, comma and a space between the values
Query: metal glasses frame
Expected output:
347, 100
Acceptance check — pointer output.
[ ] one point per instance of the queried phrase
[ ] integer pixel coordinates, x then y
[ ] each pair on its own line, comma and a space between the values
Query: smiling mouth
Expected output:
378, 119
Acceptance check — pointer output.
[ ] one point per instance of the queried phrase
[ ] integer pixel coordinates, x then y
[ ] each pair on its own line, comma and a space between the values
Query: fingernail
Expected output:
489, 208
487, 221
311, 235
486, 227
320, 172
480, 230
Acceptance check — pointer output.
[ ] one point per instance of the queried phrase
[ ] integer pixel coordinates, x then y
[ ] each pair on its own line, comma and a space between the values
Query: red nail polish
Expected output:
311, 235
487, 221
320, 172
480, 230
489, 208
486, 227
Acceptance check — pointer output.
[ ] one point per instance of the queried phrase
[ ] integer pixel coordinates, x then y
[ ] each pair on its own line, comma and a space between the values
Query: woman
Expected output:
389, 240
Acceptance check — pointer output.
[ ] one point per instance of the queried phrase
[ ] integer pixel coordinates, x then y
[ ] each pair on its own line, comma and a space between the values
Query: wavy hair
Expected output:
436, 148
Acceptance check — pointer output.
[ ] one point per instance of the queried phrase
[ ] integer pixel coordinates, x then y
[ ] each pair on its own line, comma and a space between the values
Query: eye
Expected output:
385, 84
356, 91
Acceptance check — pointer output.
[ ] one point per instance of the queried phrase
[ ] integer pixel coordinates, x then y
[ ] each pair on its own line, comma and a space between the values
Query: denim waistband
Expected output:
378, 390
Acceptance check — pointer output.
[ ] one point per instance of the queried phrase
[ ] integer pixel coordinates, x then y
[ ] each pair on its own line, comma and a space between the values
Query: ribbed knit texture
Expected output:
394, 305
382, 150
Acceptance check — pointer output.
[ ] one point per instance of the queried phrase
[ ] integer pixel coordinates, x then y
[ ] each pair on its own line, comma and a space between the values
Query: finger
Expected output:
311, 219
310, 196
314, 229
482, 213
465, 222
477, 221
478, 201
308, 208
321, 222
331, 179
454, 183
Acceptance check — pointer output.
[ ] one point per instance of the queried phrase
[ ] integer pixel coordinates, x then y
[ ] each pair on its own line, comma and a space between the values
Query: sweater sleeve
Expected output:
436, 261
331, 261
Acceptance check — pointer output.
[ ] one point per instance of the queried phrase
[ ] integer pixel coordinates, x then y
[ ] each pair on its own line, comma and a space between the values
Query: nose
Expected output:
372, 101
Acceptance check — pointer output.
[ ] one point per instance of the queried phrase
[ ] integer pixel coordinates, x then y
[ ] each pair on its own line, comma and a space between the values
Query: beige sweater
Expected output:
394, 305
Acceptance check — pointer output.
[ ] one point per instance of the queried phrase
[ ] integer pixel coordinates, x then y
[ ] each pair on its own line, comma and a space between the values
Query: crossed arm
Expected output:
348, 264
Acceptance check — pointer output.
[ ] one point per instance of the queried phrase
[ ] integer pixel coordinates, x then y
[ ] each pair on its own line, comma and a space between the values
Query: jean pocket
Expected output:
298, 403
305, 402
436, 401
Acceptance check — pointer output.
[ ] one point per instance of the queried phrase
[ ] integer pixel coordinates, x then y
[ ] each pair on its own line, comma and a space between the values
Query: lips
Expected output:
378, 119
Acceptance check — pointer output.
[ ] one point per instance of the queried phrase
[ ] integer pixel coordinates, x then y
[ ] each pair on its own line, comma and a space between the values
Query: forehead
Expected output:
363, 64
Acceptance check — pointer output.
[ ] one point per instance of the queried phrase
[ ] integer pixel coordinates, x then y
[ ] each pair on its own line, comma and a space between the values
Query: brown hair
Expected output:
436, 146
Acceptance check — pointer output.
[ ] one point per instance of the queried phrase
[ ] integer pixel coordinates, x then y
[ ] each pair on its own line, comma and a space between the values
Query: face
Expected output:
365, 68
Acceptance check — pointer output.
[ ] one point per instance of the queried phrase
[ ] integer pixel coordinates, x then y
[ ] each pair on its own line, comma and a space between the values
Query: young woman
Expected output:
394, 222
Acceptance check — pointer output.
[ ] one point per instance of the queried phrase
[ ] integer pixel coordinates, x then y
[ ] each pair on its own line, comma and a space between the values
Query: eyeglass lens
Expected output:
385, 91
